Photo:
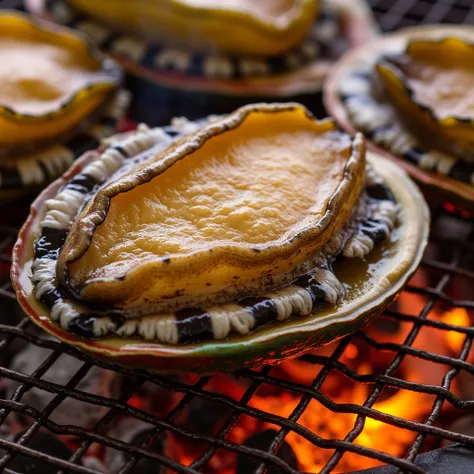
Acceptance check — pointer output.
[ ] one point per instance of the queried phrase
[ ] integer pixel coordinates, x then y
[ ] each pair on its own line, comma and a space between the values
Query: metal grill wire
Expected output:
450, 264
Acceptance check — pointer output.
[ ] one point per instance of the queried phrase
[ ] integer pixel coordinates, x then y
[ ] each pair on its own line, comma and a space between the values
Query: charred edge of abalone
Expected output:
61, 210
372, 221
338, 209
371, 115
161, 57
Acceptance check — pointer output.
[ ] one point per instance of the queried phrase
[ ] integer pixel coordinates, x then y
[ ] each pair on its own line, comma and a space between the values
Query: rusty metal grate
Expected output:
447, 280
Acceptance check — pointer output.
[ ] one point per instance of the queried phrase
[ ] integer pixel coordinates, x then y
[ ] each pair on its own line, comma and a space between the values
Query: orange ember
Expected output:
331, 412
326, 424
457, 317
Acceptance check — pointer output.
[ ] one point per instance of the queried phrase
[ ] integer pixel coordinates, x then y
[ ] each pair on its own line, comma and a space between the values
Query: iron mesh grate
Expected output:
448, 278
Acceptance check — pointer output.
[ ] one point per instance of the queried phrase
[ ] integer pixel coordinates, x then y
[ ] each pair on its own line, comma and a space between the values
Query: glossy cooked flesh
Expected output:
262, 28
444, 87
264, 9
238, 207
251, 189
37, 77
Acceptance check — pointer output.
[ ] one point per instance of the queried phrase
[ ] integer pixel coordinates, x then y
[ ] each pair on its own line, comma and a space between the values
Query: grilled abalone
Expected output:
50, 82
195, 58
429, 84
257, 28
409, 93
211, 232
58, 97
